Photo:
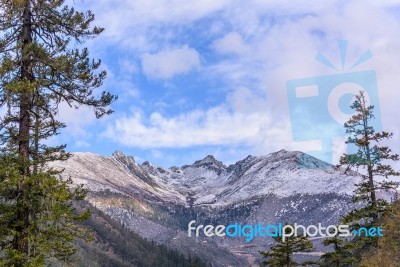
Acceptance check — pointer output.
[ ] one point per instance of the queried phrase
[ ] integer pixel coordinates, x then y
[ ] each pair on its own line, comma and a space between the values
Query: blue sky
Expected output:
209, 77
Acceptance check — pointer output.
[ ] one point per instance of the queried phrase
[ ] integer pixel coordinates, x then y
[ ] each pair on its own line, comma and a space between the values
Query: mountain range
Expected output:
158, 203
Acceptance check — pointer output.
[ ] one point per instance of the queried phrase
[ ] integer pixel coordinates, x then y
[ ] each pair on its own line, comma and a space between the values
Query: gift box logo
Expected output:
319, 106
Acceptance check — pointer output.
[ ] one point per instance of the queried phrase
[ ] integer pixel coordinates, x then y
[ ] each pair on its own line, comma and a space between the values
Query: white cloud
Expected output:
273, 41
139, 24
234, 122
166, 64
216, 126
77, 120
79, 126
164, 11
243, 100
231, 43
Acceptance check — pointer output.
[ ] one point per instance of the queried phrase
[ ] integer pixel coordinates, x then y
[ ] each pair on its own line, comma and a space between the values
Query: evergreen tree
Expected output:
281, 254
369, 160
342, 254
40, 68
52, 223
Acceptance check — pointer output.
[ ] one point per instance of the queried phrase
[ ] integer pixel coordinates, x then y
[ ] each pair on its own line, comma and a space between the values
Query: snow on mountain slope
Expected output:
118, 173
278, 187
209, 181
283, 174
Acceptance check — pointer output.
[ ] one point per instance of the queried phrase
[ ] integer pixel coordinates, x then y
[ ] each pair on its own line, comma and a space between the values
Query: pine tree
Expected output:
369, 159
342, 254
40, 68
52, 223
281, 254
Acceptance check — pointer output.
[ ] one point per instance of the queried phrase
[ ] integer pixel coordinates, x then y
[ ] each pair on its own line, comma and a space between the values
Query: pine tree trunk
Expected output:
25, 96
287, 254
373, 195
35, 156
21, 243
369, 170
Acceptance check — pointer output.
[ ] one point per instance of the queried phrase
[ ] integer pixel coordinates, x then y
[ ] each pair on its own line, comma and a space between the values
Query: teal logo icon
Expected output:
319, 106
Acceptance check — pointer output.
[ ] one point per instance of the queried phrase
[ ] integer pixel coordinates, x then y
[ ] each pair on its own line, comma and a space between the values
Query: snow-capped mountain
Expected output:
209, 181
158, 203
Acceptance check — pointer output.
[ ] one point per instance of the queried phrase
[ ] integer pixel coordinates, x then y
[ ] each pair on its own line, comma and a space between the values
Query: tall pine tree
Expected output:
41, 68
369, 159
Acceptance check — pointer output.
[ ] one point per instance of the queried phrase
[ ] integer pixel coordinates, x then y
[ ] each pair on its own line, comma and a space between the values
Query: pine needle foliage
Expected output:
281, 254
41, 68
372, 159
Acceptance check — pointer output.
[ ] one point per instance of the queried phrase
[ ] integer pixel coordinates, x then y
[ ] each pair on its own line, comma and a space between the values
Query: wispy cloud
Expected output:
215, 126
167, 64
247, 51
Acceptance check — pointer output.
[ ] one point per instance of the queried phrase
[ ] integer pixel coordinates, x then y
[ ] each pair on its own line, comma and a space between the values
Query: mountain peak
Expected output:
119, 155
281, 153
282, 173
298, 159
208, 158
128, 161
208, 162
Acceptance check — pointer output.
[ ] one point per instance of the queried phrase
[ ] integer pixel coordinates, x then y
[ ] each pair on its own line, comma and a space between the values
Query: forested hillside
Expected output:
114, 245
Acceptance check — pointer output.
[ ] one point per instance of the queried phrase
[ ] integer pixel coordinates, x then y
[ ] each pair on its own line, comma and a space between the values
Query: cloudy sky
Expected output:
211, 76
